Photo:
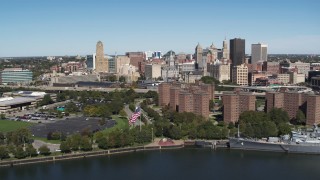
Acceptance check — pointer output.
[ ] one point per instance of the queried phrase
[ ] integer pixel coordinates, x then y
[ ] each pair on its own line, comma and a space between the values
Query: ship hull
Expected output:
245, 144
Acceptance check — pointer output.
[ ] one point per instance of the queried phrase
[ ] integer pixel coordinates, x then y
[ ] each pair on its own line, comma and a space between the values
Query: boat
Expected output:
299, 142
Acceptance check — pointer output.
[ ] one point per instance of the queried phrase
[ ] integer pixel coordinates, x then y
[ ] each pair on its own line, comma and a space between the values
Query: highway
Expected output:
51, 88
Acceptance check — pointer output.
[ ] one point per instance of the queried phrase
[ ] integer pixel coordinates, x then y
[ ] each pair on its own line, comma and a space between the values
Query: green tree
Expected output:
44, 150
20, 153
4, 152
71, 107
31, 151
284, 128
2, 116
123, 113
122, 79
103, 143
85, 144
61, 97
300, 117
65, 147
46, 100
278, 115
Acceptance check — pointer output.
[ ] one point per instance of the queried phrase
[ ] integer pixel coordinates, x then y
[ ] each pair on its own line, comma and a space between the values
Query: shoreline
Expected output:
12, 163
178, 144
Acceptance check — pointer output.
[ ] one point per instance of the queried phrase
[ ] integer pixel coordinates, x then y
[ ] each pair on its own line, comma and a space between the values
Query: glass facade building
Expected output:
16, 76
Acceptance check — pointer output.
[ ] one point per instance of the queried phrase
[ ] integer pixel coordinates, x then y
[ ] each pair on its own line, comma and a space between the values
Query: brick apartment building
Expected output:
187, 98
235, 103
294, 101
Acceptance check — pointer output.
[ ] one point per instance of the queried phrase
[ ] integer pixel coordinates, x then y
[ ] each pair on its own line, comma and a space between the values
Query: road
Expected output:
51, 88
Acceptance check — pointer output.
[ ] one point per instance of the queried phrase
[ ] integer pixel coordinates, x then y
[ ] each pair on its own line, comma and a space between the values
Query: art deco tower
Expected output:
198, 55
101, 63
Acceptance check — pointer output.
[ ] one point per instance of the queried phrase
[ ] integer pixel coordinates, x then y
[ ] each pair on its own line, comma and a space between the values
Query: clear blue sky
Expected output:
71, 27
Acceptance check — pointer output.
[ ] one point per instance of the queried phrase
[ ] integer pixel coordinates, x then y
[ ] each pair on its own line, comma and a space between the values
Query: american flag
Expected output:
135, 115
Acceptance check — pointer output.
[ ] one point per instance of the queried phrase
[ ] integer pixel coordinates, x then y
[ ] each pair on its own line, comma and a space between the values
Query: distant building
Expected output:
296, 78
225, 50
152, 71
240, 75
136, 58
220, 70
271, 67
90, 61
16, 75
198, 55
101, 63
283, 78
259, 52
237, 51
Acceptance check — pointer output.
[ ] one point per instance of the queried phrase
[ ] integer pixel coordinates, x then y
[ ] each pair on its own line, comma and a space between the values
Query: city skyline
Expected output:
38, 28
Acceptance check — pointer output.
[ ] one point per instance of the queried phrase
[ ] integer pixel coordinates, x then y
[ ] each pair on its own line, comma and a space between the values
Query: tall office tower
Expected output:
259, 52
164, 94
185, 102
225, 50
313, 110
101, 63
274, 100
237, 51
198, 55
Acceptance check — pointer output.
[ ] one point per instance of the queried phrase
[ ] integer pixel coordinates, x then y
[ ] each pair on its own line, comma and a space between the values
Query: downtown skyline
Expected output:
43, 28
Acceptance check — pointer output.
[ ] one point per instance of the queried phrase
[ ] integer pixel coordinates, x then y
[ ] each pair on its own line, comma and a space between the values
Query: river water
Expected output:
177, 164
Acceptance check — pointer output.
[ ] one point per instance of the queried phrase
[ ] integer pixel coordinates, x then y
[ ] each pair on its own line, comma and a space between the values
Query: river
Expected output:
186, 164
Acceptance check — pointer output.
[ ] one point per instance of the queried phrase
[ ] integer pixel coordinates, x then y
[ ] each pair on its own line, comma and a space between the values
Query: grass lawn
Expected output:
122, 123
7, 125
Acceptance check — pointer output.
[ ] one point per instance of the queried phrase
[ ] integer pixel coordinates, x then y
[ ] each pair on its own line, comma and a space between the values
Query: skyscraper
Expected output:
101, 63
225, 50
259, 52
237, 51
198, 55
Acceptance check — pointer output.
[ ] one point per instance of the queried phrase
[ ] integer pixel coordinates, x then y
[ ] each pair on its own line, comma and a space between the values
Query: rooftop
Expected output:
8, 101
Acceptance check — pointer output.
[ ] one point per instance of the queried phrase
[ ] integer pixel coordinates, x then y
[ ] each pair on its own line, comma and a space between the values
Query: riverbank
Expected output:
176, 144
6, 163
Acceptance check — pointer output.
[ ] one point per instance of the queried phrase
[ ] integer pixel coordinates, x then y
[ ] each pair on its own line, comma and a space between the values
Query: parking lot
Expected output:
70, 126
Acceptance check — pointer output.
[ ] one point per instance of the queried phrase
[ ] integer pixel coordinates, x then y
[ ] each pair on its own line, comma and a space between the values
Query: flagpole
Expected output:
140, 118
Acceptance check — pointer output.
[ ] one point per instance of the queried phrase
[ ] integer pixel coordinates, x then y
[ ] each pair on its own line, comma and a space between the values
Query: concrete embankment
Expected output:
5, 163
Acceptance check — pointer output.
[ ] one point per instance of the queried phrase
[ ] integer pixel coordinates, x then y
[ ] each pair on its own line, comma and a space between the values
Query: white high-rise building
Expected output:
259, 52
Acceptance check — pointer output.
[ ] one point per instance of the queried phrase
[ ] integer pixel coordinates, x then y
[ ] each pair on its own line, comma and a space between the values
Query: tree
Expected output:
103, 143
31, 151
44, 150
122, 79
65, 147
71, 107
46, 100
278, 115
284, 128
4, 152
123, 113
300, 118
20, 153
2, 116
61, 97
85, 144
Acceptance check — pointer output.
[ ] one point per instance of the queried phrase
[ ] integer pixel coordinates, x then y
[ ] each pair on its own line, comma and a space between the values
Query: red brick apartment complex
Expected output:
187, 98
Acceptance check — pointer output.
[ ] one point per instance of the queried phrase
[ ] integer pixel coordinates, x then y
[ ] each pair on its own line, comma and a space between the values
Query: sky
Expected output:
73, 27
